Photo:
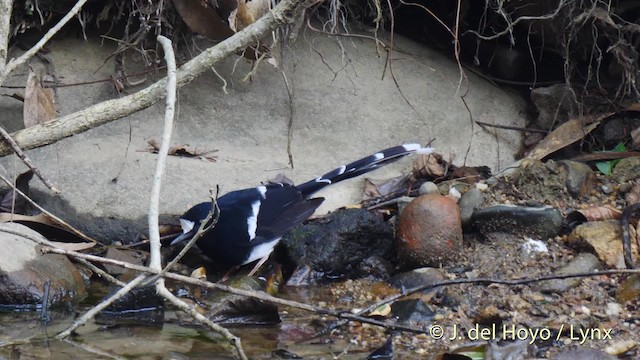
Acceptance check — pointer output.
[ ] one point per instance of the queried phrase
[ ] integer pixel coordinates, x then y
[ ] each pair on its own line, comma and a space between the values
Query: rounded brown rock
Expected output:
429, 232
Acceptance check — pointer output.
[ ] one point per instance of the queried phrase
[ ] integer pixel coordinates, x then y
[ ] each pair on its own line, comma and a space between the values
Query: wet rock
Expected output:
579, 178
627, 169
225, 308
417, 277
581, 263
469, 201
429, 232
428, 188
541, 222
336, 244
374, 267
584, 354
126, 255
141, 305
412, 311
605, 239
385, 352
24, 271
304, 275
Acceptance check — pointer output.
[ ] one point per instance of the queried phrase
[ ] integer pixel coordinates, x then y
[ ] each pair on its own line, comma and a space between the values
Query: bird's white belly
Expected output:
260, 251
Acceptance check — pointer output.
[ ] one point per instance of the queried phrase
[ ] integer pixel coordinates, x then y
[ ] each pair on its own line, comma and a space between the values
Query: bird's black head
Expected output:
191, 220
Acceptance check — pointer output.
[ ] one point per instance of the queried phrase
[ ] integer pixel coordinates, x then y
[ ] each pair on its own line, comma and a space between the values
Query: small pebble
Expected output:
428, 188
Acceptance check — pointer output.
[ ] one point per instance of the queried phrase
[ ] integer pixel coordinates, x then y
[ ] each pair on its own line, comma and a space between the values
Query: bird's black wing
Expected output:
282, 208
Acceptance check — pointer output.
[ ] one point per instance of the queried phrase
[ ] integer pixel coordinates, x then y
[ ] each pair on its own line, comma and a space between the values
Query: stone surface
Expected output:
604, 238
429, 232
343, 109
337, 244
469, 201
582, 263
543, 221
579, 177
627, 169
24, 271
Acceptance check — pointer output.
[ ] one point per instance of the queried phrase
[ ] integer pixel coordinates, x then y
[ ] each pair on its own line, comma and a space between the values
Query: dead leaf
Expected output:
377, 188
572, 131
566, 134
49, 228
429, 166
202, 18
247, 13
600, 213
73, 246
182, 150
382, 310
39, 103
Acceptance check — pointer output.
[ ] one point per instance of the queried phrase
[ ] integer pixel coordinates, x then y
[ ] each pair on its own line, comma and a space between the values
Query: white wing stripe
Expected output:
252, 221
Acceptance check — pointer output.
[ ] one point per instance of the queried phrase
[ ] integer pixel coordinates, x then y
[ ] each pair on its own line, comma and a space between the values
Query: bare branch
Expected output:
5, 29
26, 160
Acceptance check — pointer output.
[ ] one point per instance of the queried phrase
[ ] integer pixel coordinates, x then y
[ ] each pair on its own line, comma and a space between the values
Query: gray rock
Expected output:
584, 262
555, 104
24, 270
543, 222
579, 177
469, 201
428, 188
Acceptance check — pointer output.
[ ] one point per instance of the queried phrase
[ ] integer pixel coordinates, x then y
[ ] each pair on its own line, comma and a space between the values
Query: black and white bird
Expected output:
252, 221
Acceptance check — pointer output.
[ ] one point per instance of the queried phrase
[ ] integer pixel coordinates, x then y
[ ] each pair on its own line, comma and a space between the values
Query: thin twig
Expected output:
26, 160
154, 202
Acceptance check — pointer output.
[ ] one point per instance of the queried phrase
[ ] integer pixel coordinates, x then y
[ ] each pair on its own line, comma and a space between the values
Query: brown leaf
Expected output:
247, 13
600, 213
49, 228
182, 150
566, 134
73, 246
201, 17
429, 166
377, 188
39, 103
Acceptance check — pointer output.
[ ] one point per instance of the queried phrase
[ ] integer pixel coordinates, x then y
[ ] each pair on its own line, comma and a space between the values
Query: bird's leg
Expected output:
259, 264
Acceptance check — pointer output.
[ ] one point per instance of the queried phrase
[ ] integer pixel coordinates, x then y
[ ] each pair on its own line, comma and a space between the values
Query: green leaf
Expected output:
606, 167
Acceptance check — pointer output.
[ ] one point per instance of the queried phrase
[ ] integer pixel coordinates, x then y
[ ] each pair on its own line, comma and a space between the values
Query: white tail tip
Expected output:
418, 149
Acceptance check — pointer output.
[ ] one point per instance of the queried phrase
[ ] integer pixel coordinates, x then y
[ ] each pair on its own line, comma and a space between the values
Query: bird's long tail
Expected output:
362, 166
